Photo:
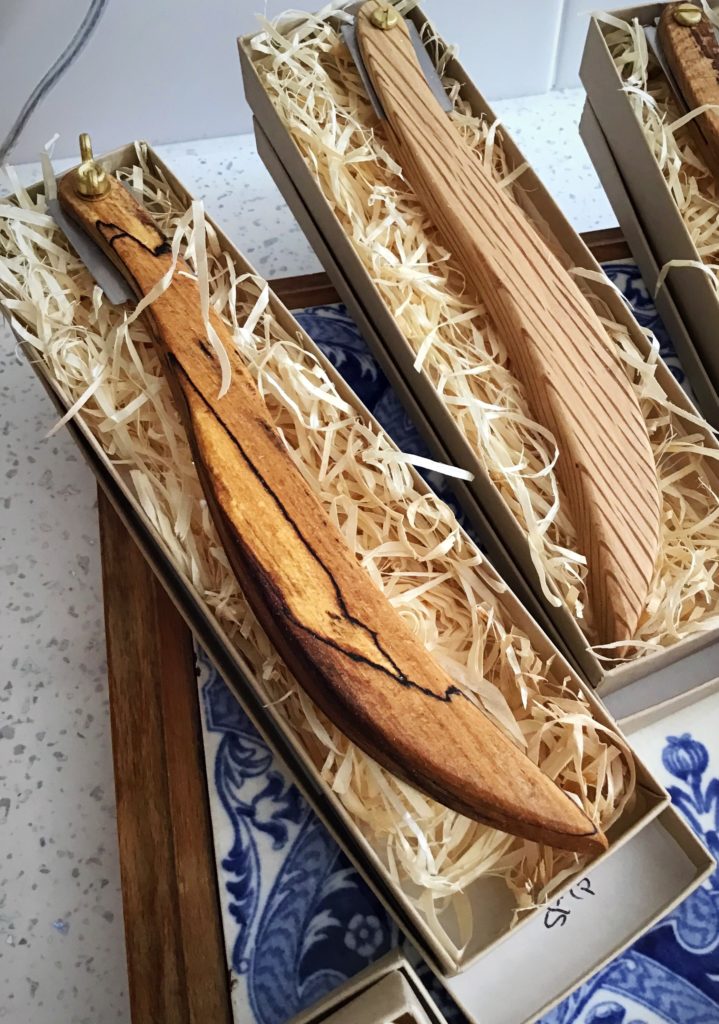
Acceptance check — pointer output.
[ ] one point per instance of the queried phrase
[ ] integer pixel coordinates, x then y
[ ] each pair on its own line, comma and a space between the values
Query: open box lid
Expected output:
698, 711
676, 738
586, 928
649, 196
387, 991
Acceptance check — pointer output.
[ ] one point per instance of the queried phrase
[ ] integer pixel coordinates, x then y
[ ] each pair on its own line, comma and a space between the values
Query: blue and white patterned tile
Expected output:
299, 920
671, 974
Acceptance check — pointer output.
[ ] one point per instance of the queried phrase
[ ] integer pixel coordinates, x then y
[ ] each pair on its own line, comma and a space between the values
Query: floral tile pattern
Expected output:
299, 920
671, 974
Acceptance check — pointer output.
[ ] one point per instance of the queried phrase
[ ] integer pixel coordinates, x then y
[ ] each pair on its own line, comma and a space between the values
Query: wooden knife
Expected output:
573, 380
340, 636
687, 48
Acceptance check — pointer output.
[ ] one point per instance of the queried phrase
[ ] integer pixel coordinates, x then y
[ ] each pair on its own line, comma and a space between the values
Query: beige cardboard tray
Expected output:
637, 720
650, 204
689, 674
502, 535
386, 992
556, 958
635, 234
490, 900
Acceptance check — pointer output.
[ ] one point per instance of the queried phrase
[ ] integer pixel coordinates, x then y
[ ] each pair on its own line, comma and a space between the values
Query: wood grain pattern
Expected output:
305, 290
557, 346
606, 244
692, 54
175, 949
338, 633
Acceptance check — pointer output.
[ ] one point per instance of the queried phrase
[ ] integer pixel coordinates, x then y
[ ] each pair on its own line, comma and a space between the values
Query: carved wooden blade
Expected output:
573, 380
692, 54
341, 638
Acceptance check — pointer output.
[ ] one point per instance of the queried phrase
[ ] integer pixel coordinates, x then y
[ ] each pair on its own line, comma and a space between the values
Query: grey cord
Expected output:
67, 57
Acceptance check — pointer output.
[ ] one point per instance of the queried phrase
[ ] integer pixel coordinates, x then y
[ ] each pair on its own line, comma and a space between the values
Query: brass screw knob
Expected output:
91, 180
384, 17
687, 14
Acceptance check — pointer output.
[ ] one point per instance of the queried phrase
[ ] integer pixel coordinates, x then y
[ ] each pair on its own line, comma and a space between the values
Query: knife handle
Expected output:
692, 53
337, 632
572, 379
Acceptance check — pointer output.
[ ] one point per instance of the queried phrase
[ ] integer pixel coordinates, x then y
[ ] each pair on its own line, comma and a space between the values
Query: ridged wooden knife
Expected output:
336, 631
572, 377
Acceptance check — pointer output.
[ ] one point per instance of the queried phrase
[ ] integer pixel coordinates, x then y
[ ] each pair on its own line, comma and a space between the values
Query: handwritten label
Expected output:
558, 913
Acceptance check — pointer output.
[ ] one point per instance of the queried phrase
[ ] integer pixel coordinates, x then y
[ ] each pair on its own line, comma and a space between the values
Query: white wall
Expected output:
167, 70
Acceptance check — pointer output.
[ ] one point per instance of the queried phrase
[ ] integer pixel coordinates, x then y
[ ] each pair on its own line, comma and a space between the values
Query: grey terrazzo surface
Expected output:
61, 933
546, 129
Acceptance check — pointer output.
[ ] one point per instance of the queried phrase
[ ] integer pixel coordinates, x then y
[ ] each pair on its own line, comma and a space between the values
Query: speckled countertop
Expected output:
62, 955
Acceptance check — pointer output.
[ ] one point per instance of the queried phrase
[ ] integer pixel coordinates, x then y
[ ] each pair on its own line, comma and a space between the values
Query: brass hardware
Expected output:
687, 14
384, 17
91, 181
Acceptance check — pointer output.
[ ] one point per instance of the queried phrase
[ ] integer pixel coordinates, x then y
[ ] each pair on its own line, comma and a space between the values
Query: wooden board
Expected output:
175, 947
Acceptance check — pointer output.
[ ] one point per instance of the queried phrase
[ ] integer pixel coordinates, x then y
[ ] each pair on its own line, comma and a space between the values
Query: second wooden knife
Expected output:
686, 45
557, 346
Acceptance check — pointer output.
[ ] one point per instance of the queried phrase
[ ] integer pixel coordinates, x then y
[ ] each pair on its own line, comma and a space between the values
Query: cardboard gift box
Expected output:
690, 764
679, 861
502, 534
647, 212
633, 230
389, 990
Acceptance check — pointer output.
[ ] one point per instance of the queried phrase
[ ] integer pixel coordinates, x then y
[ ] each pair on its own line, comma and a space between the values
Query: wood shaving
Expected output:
316, 90
664, 124
405, 536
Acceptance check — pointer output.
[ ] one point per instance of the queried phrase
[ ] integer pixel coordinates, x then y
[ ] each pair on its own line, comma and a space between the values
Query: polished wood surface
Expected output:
175, 948
340, 636
557, 346
305, 290
607, 244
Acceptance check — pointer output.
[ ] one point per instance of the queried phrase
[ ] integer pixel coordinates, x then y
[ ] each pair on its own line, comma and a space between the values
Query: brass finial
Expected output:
687, 14
91, 181
384, 16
